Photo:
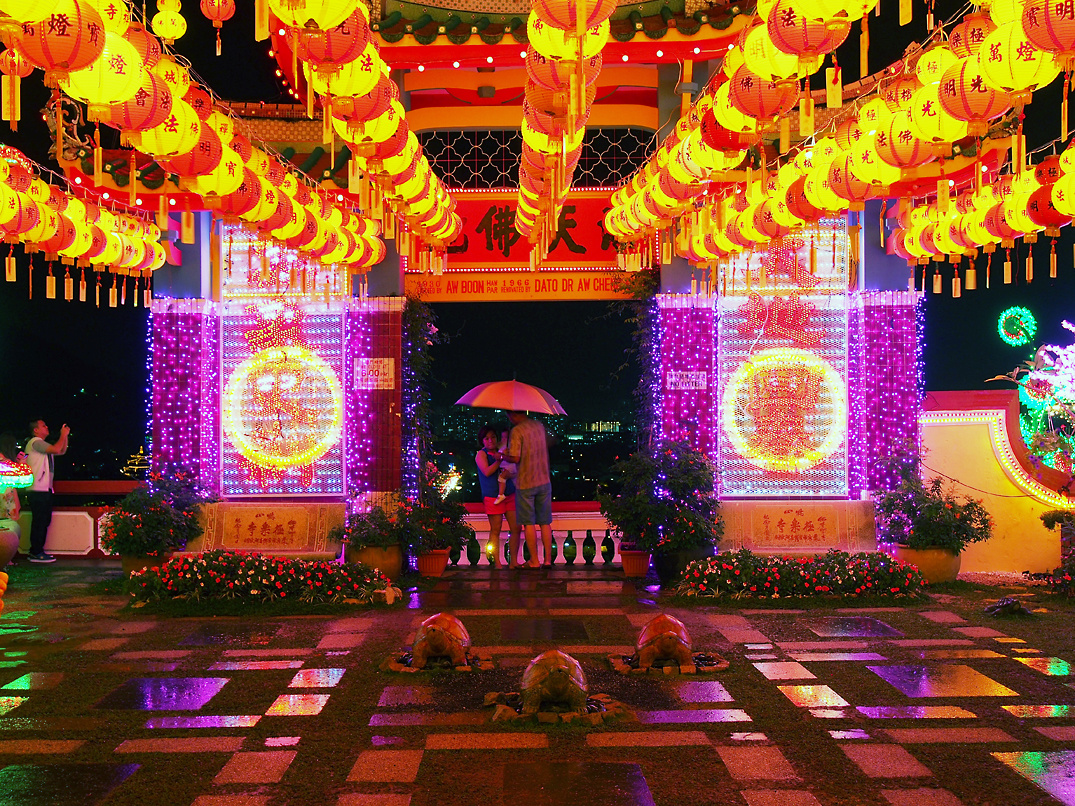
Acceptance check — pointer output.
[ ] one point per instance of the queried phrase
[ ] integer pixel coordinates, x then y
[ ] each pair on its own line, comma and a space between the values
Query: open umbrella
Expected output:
511, 396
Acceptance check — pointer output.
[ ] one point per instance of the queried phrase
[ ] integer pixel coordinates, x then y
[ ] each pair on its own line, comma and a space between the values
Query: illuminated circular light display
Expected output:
785, 410
1017, 326
283, 408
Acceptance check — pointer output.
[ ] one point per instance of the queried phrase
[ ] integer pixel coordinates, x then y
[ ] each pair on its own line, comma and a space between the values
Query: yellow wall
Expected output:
972, 447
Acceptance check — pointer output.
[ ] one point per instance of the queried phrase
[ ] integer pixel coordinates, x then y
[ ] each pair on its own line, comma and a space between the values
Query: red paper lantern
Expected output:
283, 214
997, 226
760, 98
1050, 26
245, 199
360, 108
766, 224
898, 146
69, 39
964, 95
1040, 209
845, 184
200, 101
14, 63
200, 160
241, 146
145, 43
218, 11
150, 106
327, 50
798, 205
64, 237
898, 93
808, 39
969, 34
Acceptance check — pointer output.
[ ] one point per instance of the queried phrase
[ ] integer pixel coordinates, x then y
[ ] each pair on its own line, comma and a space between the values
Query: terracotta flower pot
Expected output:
433, 562
389, 561
936, 565
635, 563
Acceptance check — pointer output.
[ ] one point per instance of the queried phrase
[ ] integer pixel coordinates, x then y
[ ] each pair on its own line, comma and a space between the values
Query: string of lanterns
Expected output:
93, 52
360, 105
982, 77
78, 232
563, 62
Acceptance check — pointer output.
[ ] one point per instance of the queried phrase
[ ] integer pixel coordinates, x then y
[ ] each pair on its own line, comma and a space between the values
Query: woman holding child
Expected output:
498, 492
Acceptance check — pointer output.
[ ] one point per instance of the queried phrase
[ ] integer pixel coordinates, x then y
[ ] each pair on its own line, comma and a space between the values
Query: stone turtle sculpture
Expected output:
553, 677
440, 635
664, 638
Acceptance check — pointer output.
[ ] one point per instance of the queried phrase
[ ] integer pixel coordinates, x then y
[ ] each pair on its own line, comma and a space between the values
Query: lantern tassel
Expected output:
938, 281
957, 290
864, 47
1029, 266
1052, 260
218, 41
1064, 106
261, 20
1008, 268
68, 286
30, 278
12, 100
82, 287
9, 266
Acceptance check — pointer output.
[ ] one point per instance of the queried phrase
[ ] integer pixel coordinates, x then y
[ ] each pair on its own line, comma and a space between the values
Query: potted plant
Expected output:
371, 538
431, 530
663, 502
155, 519
927, 525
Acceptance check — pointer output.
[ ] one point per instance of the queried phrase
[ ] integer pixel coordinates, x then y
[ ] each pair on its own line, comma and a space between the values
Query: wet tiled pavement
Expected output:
931, 705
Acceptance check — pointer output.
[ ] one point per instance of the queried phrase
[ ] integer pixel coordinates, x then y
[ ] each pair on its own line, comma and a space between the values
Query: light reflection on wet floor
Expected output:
164, 693
1054, 667
8, 704
316, 678
1053, 772
851, 627
297, 705
812, 696
942, 680
202, 721
915, 712
253, 665
1047, 711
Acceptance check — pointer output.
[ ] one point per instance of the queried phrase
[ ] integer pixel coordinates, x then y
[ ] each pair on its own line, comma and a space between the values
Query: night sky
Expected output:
71, 362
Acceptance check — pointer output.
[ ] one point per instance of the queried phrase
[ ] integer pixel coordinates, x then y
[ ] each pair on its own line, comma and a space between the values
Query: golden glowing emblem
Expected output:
785, 410
283, 408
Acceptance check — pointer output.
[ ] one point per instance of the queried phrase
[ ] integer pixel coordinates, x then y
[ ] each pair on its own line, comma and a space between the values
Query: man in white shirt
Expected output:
39, 455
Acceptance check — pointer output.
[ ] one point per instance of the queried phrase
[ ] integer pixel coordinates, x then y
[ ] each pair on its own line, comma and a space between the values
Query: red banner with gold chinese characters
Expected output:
490, 242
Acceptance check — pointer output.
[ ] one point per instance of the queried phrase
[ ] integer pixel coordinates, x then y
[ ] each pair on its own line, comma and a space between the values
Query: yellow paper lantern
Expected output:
1010, 62
175, 77
114, 78
932, 64
930, 122
178, 134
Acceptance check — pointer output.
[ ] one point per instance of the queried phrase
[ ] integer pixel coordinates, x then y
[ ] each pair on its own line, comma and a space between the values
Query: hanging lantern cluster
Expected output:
952, 91
78, 232
360, 105
133, 86
563, 62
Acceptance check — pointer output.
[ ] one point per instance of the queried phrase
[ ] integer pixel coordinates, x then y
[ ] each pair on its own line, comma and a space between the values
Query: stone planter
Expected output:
635, 563
670, 565
936, 565
433, 562
389, 561
139, 562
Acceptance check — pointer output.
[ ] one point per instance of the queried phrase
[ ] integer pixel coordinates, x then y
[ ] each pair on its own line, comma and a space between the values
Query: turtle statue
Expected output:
664, 638
440, 636
553, 677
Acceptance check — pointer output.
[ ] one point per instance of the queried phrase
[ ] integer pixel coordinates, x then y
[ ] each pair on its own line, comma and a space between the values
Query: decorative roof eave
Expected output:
410, 50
